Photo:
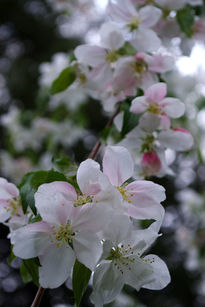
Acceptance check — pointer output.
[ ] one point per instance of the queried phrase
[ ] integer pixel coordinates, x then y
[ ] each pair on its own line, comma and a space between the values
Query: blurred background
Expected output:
37, 38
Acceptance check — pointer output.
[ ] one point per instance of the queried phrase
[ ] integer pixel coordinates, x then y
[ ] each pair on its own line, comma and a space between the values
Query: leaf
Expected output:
105, 134
130, 120
81, 277
185, 18
64, 80
63, 164
30, 184
12, 256
29, 271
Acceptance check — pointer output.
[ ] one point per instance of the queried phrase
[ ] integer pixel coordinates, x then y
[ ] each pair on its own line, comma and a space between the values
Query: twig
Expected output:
97, 146
38, 297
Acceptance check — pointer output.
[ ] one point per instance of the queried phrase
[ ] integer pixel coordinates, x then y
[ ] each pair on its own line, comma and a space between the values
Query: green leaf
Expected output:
81, 277
64, 80
185, 18
130, 120
63, 164
30, 184
12, 256
127, 49
29, 271
105, 133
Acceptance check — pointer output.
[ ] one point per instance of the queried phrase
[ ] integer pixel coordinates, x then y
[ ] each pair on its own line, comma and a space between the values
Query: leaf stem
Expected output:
38, 297
97, 146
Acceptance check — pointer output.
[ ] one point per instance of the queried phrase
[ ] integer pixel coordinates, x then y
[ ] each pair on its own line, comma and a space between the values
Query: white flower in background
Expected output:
123, 262
138, 23
9, 200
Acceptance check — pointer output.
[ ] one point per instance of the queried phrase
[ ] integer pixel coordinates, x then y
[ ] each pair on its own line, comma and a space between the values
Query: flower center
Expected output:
124, 192
112, 56
63, 234
147, 144
134, 24
154, 108
82, 200
140, 66
14, 206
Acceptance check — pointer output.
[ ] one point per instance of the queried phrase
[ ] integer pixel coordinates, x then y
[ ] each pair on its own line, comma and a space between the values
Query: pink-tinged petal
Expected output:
117, 164
101, 75
149, 16
88, 248
146, 192
151, 164
111, 36
146, 40
161, 276
160, 63
139, 105
31, 241
173, 107
7, 190
176, 140
89, 217
90, 55
146, 80
56, 265
149, 122
54, 201
90, 178
165, 122
156, 92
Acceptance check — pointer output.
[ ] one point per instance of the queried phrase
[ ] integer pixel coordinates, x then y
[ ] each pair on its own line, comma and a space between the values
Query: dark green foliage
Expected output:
64, 80
81, 277
185, 18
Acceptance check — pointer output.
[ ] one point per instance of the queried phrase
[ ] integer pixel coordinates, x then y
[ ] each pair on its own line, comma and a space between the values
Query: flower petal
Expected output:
160, 273
7, 190
90, 55
117, 164
56, 265
176, 140
31, 241
88, 248
54, 201
173, 107
149, 15
146, 40
107, 284
111, 36
90, 178
156, 92
139, 105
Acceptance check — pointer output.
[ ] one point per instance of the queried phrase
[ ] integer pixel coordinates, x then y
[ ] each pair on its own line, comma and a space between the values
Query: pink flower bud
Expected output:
181, 130
151, 164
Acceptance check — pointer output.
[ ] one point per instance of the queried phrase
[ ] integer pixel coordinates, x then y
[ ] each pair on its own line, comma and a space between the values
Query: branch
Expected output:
97, 146
38, 297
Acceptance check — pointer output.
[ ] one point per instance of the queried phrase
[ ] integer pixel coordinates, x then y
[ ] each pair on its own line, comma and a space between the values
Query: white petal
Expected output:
107, 284
54, 201
56, 265
139, 105
145, 40
90, 178
88, 248
173, 107
145, 212
149, 15
90, 55
118, 228
176, 140
32, 240
5, 214
117, 164
160, 63
111, 36
156, 92
160, 274
137, 273
149, 122
121, 11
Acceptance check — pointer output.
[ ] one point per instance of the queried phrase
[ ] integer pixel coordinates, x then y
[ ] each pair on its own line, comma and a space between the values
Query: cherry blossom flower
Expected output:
123, 262
138, 23
155, 102
64, 233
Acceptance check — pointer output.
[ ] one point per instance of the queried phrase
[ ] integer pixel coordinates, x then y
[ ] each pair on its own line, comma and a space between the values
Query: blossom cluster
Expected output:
99, 225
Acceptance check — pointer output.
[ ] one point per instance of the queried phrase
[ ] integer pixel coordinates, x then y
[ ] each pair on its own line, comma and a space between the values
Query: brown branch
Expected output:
97, 146
38, 297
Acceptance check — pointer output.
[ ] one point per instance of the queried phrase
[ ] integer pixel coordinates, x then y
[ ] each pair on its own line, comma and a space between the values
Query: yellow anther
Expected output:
82, 200
154, 108
112, 56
